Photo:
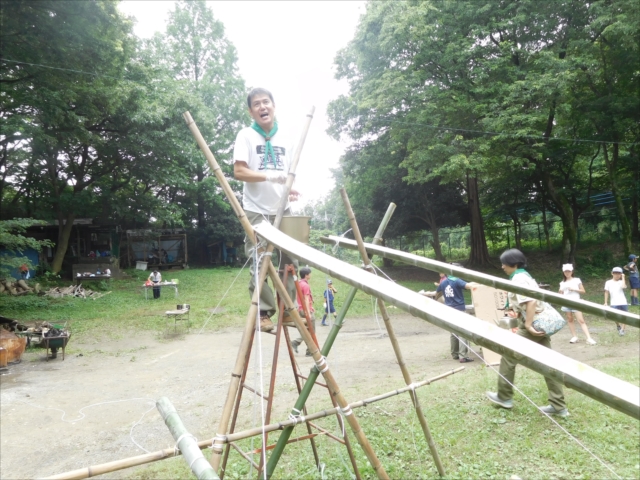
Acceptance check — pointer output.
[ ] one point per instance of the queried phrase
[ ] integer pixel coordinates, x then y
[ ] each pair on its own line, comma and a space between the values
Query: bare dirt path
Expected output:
94, 406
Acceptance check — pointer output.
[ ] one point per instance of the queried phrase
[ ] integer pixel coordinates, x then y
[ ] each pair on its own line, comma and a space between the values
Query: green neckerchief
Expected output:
518, 270
452, 278
269, 154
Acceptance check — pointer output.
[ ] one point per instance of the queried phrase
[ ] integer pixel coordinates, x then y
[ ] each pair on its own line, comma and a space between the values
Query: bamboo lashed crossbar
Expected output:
114, 466
604, 388
471, 275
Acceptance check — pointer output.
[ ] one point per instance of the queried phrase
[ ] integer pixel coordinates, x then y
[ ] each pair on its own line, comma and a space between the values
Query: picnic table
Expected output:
83, 278
161, 284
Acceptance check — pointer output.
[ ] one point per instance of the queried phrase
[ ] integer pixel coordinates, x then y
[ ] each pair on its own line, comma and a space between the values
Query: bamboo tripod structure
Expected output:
280, 330
264, 269
392, 336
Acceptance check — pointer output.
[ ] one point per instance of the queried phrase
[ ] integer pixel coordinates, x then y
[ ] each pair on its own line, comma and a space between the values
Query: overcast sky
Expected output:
287, 47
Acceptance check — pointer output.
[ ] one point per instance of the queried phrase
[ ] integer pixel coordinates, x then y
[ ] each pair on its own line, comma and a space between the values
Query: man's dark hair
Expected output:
514, 258
304, 272
258, 91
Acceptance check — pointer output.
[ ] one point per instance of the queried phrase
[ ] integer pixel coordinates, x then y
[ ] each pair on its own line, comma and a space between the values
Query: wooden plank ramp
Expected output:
604, 388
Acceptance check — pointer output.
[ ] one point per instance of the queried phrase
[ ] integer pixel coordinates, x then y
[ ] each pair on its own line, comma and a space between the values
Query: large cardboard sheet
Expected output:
489, 305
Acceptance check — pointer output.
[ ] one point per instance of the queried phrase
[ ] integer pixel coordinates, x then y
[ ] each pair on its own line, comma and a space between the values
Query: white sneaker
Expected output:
573, 340
591, 341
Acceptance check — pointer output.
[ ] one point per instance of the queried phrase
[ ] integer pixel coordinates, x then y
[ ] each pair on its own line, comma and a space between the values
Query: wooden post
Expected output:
186, 443
245, 342
392, 336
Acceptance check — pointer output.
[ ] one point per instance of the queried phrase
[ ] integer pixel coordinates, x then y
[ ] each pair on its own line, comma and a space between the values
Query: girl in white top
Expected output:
572, 287
614, 288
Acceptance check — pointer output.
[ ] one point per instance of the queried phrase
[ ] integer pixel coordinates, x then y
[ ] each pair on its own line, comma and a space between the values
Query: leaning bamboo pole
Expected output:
601, 387
322, 365
185, 442
245, 342
326, 348
104, 468
426, 263
392, 336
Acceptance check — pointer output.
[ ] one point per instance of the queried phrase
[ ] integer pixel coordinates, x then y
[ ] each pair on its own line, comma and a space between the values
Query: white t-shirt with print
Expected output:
262, 197
573, 284
616, 292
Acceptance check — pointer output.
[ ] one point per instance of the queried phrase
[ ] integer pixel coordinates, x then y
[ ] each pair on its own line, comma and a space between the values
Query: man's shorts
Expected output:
624, 308
634, 282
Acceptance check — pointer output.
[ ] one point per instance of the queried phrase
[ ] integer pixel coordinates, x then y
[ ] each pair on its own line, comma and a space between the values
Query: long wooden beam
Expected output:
604, 388
485, 279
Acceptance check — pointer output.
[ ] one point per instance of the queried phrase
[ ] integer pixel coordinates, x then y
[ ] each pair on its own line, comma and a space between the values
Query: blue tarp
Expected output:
29, 253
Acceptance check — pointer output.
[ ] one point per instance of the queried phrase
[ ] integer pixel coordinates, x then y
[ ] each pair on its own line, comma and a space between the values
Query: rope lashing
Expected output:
322, 364
217, 447
184, 435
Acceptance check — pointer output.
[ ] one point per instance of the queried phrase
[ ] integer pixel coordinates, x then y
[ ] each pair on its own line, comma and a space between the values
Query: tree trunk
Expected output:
479, 252
435, 243
64, 233
635, 193
545, 227
622, 215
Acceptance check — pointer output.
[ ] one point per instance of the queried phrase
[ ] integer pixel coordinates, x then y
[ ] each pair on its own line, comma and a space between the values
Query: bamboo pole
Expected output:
326, 348
392, 336
323, 366
138, 460
245, 342
426, 263
186, 443
604, 388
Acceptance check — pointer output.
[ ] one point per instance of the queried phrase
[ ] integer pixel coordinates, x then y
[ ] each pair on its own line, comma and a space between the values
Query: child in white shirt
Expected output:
572, 287
614, 288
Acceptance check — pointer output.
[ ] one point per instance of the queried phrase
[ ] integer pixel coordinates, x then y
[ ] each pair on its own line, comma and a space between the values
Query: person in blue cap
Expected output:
634, 278
329, 295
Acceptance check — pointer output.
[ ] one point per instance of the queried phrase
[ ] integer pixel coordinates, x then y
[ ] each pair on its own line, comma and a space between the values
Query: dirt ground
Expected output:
98, 404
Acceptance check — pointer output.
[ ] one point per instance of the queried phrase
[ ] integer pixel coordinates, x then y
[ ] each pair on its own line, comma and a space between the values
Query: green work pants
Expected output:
267, 299
508, 371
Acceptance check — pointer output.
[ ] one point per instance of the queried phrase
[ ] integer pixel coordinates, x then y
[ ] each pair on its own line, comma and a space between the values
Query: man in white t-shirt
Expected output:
262, 156
155, 277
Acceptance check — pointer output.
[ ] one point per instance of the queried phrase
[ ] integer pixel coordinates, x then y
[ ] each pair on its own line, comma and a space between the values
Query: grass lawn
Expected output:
475, 440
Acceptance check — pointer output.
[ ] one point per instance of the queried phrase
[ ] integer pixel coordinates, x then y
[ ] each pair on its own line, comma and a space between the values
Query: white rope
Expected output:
223, 296
259, 371
539, 409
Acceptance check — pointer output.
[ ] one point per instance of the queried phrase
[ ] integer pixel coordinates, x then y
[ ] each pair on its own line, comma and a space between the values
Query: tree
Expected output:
474, 84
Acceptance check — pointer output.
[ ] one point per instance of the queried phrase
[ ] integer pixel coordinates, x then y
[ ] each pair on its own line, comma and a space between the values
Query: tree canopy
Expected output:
516, 102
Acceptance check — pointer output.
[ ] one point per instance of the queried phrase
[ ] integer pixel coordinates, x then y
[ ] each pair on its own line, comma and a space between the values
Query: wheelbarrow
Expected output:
53, 343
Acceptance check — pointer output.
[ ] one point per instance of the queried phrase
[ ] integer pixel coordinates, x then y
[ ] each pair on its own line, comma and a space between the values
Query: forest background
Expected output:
484, 115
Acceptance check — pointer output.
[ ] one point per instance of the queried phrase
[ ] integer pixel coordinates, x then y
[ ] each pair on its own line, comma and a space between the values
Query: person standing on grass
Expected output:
262, 155
329, 295
452, 290
634, 278
307, 298
155, 278
571, 287
614, 290
525, 309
